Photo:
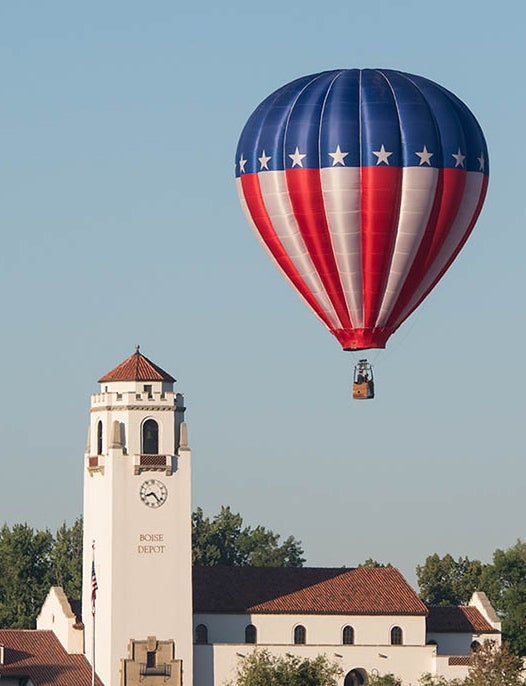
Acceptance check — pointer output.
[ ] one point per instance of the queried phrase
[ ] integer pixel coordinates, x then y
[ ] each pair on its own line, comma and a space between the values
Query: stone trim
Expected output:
144, 408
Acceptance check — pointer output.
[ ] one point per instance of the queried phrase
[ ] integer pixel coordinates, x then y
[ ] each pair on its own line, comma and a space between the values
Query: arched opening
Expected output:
348, 636
99, 438
356, 677
300, 635
250, 634
150, 437
396, 636
201, 633
475, 645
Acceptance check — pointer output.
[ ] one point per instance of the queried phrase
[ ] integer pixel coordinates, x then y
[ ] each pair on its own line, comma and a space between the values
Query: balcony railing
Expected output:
153, 463
95, 464
152, 460
164, 670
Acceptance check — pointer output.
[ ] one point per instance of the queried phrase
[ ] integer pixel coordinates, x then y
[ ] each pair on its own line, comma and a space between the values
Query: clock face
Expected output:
153, 493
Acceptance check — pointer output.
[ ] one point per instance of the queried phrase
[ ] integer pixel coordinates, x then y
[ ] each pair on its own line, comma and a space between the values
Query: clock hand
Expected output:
152, 493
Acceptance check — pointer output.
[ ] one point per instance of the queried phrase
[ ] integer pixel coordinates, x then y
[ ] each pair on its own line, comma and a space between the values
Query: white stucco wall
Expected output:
215, 664
57, 616
320, 629
459, 643
443, 668
144, 586
481, 601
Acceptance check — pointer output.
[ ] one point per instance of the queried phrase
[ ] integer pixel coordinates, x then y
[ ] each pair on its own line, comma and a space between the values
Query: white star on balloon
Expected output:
459, 157
482, 162
382, 155
264, 160
338, 157
297, 158
425, 156
242, 163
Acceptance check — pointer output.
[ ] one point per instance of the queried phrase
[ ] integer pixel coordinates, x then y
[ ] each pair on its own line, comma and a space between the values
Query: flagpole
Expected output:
93, 652
93, 598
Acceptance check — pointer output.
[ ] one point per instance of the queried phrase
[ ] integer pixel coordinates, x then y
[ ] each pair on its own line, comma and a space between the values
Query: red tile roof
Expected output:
137, 368
40, 656
458, 619
304, 590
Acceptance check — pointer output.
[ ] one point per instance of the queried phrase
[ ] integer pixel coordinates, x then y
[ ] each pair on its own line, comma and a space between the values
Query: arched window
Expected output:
348, 636
201, 633
354, 678
99, 438
475, 645
396, 636
300, 635
251, 634
150, 437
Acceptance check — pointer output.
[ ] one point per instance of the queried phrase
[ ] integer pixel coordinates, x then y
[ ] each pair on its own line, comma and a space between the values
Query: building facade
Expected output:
157, 621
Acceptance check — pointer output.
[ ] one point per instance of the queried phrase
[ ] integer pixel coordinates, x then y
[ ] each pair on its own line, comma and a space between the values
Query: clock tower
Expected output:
137, 529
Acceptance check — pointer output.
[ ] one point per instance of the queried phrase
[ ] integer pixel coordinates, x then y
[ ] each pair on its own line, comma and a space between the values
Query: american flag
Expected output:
94, 585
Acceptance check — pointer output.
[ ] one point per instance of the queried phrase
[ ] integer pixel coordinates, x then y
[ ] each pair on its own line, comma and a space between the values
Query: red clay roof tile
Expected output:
137, 367
40, 656
457, 619
304, 590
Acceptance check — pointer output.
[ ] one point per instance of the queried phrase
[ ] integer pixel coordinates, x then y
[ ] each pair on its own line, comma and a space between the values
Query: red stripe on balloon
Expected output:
448, 197
306, 197
381, 188
454, 254
258, 212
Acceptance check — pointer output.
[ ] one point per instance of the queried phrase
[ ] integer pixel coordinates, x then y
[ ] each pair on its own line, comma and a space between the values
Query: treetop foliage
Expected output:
32, 561
493, 665
446, 581
262, 668
372, 564
384, 679
224, 540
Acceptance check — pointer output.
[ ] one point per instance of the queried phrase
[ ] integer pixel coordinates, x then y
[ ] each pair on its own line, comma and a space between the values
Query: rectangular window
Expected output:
147, 388
150, 659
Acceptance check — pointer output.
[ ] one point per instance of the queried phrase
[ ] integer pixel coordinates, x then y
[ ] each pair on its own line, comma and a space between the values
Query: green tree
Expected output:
434, 680
225, 541
372, 564
384, 679
504, 581
493, 665
24, 574
66, 559
261, 668
446, 581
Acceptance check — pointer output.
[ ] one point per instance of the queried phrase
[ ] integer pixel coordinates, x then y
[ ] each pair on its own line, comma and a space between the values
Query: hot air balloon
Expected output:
362, 186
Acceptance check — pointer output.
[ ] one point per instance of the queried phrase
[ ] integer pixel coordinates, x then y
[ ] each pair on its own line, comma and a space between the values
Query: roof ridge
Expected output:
137, 367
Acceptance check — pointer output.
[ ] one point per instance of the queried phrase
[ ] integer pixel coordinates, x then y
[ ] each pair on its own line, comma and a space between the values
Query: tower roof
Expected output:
137, 367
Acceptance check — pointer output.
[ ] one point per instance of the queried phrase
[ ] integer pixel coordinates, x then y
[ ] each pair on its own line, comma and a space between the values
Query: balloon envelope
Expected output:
362, 186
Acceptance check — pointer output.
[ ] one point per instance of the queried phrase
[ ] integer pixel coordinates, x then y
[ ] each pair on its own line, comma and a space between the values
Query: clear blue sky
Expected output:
121, 225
